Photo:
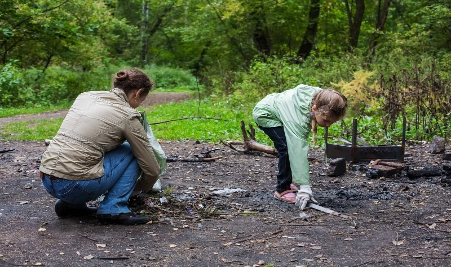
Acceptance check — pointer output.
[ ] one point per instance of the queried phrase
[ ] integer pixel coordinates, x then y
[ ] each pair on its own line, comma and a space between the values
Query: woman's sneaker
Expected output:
122, 218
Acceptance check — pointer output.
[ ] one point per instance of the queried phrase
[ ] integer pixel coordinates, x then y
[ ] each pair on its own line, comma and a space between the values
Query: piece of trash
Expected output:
397, 243
304, 215
23, 202
101, 245
163, 200
88, 257
41, 229
172, 246
28, 186
228, 191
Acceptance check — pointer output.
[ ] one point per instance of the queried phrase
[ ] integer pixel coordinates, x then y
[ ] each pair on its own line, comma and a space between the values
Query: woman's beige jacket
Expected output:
98, 122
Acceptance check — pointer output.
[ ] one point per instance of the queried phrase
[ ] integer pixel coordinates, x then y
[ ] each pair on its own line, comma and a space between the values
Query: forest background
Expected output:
392, 58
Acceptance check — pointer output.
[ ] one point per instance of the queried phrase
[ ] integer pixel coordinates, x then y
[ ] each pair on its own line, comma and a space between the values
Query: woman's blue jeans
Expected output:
284, 178
121, 172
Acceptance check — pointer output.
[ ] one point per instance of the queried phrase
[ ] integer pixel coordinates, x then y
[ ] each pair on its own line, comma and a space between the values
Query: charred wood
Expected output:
249, 144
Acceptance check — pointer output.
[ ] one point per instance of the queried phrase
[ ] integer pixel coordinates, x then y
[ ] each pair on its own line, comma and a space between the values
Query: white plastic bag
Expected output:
157, 150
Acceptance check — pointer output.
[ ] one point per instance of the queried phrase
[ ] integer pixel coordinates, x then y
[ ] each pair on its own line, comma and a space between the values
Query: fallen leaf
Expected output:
41, 229
432, 226
397, 243
227, 244
23, 202
172, 246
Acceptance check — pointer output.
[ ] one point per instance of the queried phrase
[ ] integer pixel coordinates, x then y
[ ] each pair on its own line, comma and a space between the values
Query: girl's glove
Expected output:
304, 196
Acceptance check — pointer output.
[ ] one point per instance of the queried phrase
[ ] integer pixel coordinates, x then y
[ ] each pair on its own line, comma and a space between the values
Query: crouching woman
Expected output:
102, 148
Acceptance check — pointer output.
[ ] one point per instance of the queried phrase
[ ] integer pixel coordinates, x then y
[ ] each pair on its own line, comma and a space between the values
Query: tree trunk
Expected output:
47, 64
310, 33
354, 22
197, 66
382, 13
145, 36
146, 33
260, 34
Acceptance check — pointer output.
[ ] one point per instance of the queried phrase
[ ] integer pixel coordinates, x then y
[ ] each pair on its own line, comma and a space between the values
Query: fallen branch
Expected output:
113, 258
86, 236
193, 160
249, 142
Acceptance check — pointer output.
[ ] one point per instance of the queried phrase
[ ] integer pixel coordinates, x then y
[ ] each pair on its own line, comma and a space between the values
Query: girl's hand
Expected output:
303, 196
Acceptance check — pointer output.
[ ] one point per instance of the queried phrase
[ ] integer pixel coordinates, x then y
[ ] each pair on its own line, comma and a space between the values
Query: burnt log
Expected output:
425, 172
383, 169
249, 144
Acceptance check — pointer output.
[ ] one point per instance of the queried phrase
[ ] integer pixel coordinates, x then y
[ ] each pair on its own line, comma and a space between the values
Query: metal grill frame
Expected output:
355, 153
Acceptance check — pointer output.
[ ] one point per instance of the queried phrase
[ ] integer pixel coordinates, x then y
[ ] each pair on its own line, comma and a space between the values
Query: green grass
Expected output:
33, 130
9, 112
210, 120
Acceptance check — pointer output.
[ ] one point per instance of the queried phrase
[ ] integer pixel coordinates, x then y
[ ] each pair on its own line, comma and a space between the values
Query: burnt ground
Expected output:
396, 221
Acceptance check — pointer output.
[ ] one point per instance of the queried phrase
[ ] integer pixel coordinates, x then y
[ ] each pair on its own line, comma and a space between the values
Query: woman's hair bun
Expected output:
121, 75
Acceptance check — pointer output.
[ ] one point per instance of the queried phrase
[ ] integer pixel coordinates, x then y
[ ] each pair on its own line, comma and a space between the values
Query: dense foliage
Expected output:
391, 58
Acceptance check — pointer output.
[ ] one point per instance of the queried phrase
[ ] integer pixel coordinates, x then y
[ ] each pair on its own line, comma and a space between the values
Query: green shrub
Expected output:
263, 78
11, 79
171, 79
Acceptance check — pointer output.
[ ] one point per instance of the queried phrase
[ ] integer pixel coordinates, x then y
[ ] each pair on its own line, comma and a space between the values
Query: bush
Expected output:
171, 79
11, 79
263, 78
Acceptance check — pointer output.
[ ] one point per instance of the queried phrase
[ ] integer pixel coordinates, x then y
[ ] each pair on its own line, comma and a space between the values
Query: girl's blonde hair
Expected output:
330, 103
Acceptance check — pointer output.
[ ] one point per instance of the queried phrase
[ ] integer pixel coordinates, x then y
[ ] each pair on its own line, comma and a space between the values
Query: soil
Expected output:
395, 221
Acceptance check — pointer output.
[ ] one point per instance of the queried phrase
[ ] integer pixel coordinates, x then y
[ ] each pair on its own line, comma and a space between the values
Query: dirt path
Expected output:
154, 98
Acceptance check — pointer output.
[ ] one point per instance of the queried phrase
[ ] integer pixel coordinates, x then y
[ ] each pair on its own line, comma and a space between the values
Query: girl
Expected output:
287, 118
